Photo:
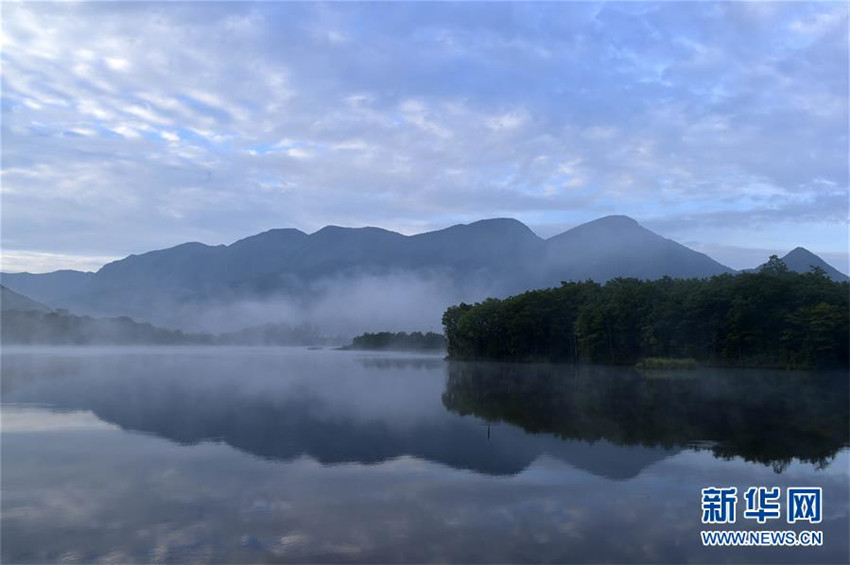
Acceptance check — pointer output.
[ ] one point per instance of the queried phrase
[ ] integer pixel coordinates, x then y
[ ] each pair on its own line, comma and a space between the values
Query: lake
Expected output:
287, 454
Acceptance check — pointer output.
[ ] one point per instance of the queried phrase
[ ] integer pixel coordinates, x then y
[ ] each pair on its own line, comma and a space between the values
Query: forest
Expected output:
398, 341
769, 318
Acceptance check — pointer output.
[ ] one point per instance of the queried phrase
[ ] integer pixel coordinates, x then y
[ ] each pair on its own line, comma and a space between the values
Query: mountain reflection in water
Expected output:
249, 455
607, 420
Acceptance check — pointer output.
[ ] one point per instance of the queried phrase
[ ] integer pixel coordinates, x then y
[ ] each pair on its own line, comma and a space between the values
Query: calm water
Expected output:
249, 455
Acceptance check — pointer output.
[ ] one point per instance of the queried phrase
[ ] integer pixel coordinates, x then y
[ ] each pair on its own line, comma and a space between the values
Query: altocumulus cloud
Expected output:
132, 126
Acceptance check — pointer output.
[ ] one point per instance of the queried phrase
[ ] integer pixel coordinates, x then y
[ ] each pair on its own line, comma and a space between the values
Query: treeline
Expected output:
770, 318
55, 328
399, 340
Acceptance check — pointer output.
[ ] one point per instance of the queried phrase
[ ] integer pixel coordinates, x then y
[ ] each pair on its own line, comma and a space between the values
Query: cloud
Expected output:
31, 261
166, 125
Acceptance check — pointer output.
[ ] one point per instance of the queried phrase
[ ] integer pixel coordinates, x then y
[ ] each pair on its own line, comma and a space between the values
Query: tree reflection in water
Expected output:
770, 417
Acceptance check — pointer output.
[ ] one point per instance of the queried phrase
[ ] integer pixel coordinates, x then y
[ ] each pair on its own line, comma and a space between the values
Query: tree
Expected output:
774, 266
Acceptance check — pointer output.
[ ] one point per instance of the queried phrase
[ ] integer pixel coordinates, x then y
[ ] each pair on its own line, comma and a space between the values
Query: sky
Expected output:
128, 127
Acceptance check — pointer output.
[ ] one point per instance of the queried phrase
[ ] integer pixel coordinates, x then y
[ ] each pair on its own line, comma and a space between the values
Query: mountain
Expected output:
329, 251
51, 288
481, 244
12, 301
801, 260
617, 246
466, 262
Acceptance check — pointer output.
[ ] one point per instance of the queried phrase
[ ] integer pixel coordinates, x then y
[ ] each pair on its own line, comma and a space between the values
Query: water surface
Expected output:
270, 454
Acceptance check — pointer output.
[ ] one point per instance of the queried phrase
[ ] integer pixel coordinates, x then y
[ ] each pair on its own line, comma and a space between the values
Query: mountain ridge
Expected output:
464, 262
15, 301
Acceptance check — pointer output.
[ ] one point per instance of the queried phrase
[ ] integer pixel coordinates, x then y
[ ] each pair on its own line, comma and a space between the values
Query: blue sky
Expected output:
133, 126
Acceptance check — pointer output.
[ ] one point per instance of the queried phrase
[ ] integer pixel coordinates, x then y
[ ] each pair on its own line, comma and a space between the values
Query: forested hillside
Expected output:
770, 318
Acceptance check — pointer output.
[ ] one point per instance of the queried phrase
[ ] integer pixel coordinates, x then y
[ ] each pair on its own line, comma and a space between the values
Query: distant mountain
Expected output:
12, 301
25, 321
494, 257
34, 327
51, 288
801, 260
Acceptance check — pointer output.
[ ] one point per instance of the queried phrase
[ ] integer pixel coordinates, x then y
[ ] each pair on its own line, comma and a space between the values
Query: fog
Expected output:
339, 306
191, 381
